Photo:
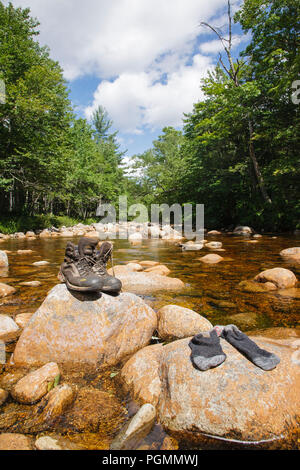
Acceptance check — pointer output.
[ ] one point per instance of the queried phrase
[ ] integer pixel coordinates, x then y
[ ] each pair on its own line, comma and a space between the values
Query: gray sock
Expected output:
206, 351
260, 357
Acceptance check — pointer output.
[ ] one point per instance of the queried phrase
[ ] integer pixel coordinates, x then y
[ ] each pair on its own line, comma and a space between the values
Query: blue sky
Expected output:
141, 59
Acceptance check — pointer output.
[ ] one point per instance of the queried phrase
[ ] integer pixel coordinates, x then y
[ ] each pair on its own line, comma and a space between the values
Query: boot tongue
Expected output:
87, 246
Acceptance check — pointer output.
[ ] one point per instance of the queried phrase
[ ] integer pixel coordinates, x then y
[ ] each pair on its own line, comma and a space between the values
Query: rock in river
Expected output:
83, 330
9, 330
34, 386
236, 400
3, 259
282, 278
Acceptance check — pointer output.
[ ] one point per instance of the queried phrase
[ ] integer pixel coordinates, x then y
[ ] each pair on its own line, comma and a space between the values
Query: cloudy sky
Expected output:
140, 59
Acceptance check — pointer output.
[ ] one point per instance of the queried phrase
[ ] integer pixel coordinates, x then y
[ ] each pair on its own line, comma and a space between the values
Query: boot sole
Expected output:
70, 286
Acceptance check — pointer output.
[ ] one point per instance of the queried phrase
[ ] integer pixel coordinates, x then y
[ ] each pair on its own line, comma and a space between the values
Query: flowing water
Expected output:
211, 290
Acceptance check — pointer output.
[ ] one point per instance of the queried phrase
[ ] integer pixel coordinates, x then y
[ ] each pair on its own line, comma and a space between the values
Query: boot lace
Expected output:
84, 265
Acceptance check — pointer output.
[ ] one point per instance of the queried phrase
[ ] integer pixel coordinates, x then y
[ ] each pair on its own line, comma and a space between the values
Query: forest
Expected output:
237, 151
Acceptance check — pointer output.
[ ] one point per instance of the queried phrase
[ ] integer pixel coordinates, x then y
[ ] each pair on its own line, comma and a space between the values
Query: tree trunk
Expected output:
259, 177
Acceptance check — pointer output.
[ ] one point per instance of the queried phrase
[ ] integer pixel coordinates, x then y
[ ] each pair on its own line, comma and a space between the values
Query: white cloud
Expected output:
141, 51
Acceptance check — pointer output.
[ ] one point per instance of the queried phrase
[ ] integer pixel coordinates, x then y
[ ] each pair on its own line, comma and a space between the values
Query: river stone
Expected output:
9, 330
176, 322
9, 441
40, 263
136, 430
160, 269
211, 259
47, 443
135, 238
6, 290
148, 263
31, 283
3, 396
291, 254
140, 377
236, 400
34, 386
243, 230
84, 330
3, 259
256, 287
145, 283
213, 245
281, 277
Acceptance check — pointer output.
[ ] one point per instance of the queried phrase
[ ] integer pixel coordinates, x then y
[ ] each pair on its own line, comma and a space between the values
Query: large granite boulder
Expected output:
82, 330
236, 400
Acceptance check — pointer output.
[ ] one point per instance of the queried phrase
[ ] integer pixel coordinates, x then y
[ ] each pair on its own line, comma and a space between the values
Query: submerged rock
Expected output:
236, 400
282, 278
253, 287
176, 322
85, 330
137, 429
6, 290
34, 386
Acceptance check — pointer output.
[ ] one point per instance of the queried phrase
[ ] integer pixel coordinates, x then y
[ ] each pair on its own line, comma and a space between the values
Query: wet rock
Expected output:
192, 247
34, 386
236, 400
253, 287
85, 330
211, 259
291, 254
40, 263
169, 443
9, 379
30, 234
160, 269
244, 320
257, 235
242, 230
292, 292
176, 322
9, 441
23, 319
214, 232
47, 443
3, 259
19, 235
9, 331
91, 410
136, 430
45, 234
282, 278
6, 290
51, 408
24, 252
140, 377
3, 396
213, 245
31, 283
145, 283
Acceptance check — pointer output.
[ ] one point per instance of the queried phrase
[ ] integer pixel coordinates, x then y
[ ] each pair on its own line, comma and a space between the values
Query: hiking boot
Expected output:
76, 270
110, 283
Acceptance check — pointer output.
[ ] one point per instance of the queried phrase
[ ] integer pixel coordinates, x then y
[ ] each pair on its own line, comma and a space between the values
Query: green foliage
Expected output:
50, 162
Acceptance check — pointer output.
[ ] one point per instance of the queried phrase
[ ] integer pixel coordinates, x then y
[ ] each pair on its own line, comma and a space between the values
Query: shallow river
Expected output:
212, 290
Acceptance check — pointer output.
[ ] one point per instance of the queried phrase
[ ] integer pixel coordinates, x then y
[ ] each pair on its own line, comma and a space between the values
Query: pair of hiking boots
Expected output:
84, 267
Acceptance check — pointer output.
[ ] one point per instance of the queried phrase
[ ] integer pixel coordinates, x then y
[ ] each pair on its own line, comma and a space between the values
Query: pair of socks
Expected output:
208, 353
